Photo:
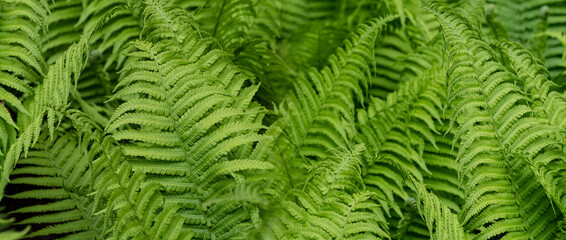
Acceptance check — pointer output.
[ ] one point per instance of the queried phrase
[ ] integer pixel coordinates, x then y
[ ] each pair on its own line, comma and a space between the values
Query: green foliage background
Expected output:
282, 119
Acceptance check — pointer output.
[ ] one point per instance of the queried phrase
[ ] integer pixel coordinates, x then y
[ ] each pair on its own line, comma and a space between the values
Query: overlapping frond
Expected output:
63, 30
403, 135
318, 114
23, 24
311, 49
393, 52
49, 100
310, 45
170, 135
131, 207
386, 70
232, 24
124, 27
254, 52
99, 77
187, 123
93, 89
282, 119
547, 104
439, 152
297, 14
504, 144
330, 204
249, 30
411, 225
22, 66
526, 22
440, 220
56, 171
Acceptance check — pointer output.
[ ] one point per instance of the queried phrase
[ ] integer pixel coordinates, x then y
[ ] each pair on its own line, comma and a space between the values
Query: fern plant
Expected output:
300, 119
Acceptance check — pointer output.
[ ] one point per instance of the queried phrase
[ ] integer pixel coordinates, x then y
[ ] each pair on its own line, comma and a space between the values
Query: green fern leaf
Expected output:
199, 149
318, 112
528, 28
501, 170
330, 204
60, 165
132, 208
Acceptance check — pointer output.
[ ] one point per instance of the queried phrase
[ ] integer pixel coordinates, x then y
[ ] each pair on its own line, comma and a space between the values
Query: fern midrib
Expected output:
183, 145
177, 39
175, 122
503, 155
345, 222
493, 124
85, 215
334, 176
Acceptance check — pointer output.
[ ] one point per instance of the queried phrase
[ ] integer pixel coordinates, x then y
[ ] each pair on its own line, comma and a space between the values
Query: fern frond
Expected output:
297, 14
170, 132
494, 27
411, 120
93, 89
63, 31
346, 217
23, 23
411, 225
318, 114
523, 23
398, 52
548, 104
22, 65
58, 171
186, 148
330, 204
402, 136
501, 170
233, 22
256, 55
386, 70
132, 207
50, 100
441, 161
441, 221
439, 151
249, 30
124, 27
318, 33
283, 119
312, 48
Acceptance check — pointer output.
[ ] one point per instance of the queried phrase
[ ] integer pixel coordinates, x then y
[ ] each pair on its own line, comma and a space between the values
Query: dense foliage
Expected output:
282, 119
